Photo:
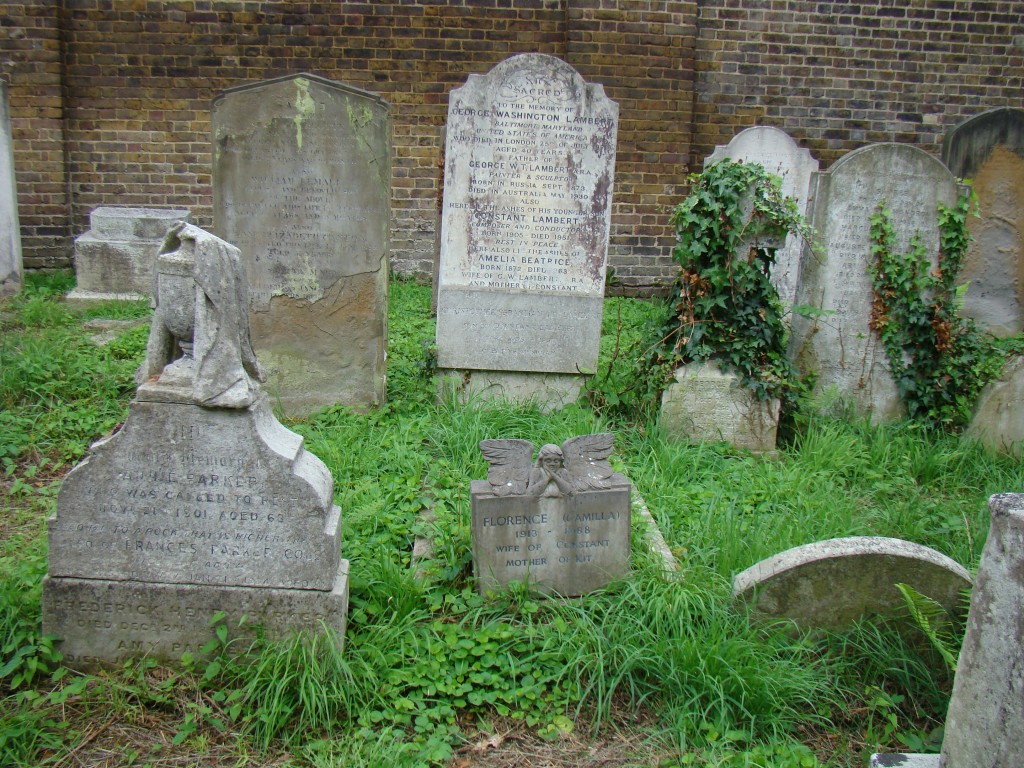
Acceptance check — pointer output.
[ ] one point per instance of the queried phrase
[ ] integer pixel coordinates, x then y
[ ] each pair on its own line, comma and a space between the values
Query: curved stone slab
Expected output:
830, 584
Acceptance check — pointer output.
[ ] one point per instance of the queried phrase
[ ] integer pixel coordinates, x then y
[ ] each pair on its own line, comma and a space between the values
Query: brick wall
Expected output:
837, 76
110, 99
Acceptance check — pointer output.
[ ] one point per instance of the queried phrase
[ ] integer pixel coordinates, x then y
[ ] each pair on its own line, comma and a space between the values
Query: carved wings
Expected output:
585, 459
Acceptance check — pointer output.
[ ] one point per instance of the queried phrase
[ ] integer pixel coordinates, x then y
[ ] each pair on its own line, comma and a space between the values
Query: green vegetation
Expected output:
666, 667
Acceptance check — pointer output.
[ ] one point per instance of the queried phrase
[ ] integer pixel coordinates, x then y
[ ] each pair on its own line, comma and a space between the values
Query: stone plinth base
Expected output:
102, 622
550, 391
705, 404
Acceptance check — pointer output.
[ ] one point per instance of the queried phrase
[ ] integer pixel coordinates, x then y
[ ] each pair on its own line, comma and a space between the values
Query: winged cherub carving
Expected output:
580, 464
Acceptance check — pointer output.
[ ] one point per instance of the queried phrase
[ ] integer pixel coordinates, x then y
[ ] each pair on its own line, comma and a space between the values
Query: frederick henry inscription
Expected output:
528, 180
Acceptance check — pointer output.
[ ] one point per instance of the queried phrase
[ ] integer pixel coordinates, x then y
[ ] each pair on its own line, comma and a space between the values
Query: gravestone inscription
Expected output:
779, 154
840, 346
10, 231
560, 524
202, 502
989, 150
302, 184
529, 165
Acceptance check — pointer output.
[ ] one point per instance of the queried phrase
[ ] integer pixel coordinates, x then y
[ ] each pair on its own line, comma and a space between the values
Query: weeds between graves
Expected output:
430, 668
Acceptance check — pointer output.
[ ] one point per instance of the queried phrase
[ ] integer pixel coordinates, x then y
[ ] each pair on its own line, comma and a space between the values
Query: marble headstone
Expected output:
302, 185
831, 584
988, 149
841, 347
202, 502
115, 258
10, 231
529, 166
780, 155
560, 523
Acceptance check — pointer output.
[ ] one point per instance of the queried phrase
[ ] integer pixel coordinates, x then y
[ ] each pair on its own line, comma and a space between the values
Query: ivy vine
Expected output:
940, 360
723, 306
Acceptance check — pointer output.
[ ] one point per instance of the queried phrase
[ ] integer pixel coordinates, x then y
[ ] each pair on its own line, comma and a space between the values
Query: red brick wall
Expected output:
837, 76
110, 99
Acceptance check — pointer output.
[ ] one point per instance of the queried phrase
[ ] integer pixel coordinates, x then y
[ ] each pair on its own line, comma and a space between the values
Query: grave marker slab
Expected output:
202, 501
302, 184
989, 150
10, 231
776, 150
529, 166
115, 258
841, 347
561, 524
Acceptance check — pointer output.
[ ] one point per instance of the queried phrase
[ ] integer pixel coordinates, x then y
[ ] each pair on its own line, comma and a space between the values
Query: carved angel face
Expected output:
550, 458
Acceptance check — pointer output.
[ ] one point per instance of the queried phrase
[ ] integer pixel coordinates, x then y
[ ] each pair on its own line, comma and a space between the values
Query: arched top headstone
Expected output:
966, 148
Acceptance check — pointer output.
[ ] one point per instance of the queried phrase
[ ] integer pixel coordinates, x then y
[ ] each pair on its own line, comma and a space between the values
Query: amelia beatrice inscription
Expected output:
202, 502
560, 523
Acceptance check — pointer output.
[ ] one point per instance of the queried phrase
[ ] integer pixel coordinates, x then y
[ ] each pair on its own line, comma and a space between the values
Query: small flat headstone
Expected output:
779, 154
840, 347
529, 166
831, 584
989, 149
302, 185
560, 524
115, 258
10, 232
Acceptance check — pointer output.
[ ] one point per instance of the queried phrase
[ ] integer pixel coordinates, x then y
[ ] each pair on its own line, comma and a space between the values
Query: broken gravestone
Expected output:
202, 504
115, 258
560, 524
302, 185
998, 418
831, 584
529, 166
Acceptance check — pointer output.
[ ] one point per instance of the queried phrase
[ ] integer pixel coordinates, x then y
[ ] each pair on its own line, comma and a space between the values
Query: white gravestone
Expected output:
560, 524
10, 231
529, 165
202, 503
775, 149
302, 185
115, 258
848, 356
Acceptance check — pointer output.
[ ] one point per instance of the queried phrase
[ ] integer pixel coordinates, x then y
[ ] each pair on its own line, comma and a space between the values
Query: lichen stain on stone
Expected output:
305, 108
302, 281
364, 129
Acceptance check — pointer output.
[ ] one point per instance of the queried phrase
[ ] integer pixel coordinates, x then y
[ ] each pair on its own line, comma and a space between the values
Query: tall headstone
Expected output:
560, 524
115, 258
985, 722
780, 155
202, 503
302, 185
988, 149
529, 165
841, 347
10, 231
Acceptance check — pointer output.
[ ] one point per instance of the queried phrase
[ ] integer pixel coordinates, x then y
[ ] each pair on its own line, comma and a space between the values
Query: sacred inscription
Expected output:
528, 181
560, 524
188, 509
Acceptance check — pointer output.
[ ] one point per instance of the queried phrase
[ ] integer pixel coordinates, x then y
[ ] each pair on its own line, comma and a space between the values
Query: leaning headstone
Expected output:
703, 403
529, 165
779, 154
985, 722
989, 150
302, 185
840, 346
10, 231
560, 524
202, 504
115, 258
831, 584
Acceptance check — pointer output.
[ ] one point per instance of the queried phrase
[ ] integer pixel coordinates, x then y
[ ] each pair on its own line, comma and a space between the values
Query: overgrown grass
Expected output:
427, 662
